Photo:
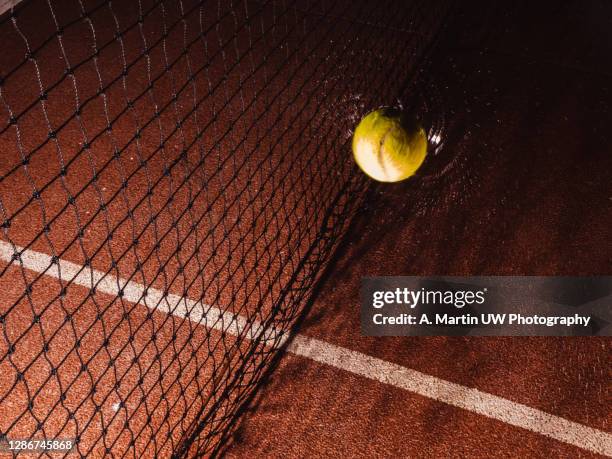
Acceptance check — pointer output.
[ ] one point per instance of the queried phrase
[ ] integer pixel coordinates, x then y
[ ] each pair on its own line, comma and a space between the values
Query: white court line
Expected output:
467, 398
134, 292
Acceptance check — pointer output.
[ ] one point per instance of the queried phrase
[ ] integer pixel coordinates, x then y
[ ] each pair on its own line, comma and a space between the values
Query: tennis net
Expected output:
174, 177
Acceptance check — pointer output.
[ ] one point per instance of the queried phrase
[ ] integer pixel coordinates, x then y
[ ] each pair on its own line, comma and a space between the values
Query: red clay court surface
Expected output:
510, 193
170, 188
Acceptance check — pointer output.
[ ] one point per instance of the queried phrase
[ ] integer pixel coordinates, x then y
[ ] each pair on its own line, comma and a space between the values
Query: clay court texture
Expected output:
184, 231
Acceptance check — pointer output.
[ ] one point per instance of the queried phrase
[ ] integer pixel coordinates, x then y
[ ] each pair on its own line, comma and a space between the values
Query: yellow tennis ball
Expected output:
388, 146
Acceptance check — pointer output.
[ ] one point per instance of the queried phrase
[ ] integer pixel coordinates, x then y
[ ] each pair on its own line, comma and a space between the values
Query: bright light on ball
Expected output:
388, 146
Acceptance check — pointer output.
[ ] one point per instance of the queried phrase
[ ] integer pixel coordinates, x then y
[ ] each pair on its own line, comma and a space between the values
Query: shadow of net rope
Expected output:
174, 175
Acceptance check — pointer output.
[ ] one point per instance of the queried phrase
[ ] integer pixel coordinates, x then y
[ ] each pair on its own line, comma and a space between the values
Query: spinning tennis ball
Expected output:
388, 146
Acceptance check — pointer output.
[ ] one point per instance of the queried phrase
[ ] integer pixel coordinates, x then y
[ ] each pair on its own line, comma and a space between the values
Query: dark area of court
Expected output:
522, 187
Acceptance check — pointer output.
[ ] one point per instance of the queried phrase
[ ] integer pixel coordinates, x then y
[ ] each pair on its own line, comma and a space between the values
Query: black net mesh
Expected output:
173, 177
